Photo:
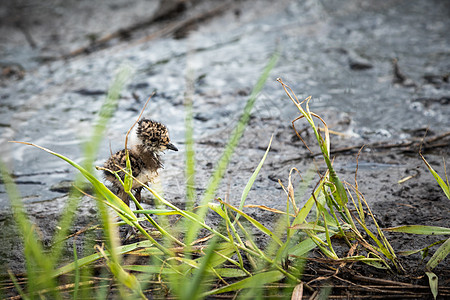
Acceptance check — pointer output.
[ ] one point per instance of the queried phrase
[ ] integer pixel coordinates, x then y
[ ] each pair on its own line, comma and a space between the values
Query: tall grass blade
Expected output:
125, 212
252, 179
324, 143
254, 222
420, 229
127, 279
77, 272
17, 286
193, 288
96, 256
231, 145
433, 281
306, 245
256, 280
90, 149
189, 135
305, 210
444, 186
238, 132
441, 253
36, 260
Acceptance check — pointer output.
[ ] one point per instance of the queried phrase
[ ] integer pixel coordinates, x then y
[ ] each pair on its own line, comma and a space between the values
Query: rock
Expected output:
63, 186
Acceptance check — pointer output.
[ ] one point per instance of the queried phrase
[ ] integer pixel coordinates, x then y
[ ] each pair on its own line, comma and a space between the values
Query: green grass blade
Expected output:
128, 179
150, 269
440, 254
189, 136
378, 263
305, 210
444, 186
127, 279
420, 229
252, 179
106, 111
159, 212
193, 288
17, 286
90, 149
77, 272
238, 132
230, 272
255, 223
126, 213
224, 252
433, 281
235, 137
217, 208
305, 246
339, 191
234, 234
308, 226
96, 256
36, 260
256, 280
424, 250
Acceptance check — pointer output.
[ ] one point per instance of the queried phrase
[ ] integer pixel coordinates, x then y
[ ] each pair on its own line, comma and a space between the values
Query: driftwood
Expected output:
171, 28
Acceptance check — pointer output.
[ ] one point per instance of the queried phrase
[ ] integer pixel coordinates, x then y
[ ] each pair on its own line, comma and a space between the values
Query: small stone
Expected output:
63, 186
359, 65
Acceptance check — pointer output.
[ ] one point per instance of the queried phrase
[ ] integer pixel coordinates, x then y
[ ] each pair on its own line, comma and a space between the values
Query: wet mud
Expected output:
377, 73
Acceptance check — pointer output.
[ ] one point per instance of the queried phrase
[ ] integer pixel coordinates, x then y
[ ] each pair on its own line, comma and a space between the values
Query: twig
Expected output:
427, 143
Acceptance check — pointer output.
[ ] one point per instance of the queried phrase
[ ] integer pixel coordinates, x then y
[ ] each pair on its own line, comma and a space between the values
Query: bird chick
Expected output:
147, 140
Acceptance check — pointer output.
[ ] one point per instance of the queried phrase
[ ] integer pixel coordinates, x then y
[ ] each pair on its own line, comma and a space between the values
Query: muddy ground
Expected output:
378, 73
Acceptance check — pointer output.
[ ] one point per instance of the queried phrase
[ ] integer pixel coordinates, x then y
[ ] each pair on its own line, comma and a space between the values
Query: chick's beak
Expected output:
171, 147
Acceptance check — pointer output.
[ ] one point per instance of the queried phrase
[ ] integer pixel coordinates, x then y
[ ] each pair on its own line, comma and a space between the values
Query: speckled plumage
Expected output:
146, 143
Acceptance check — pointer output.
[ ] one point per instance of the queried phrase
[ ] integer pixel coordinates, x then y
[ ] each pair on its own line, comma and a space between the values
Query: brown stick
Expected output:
428, 143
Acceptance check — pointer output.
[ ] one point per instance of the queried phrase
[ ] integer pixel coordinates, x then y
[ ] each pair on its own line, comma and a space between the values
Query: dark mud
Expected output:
379, 73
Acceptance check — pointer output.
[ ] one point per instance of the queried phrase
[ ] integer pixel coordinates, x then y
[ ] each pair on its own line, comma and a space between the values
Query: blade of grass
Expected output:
96, 256
231, 229
231, 145
255, 223
420, 229
90, 149
444, 186
252, 179
77, 271
157, 212
305, 246
223, 252
305, 210
122, 276
126, 213
324, 144
441, 253
17, 286
424, 250
256, 280
433, 281
193, 288
189, 135
36, 260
